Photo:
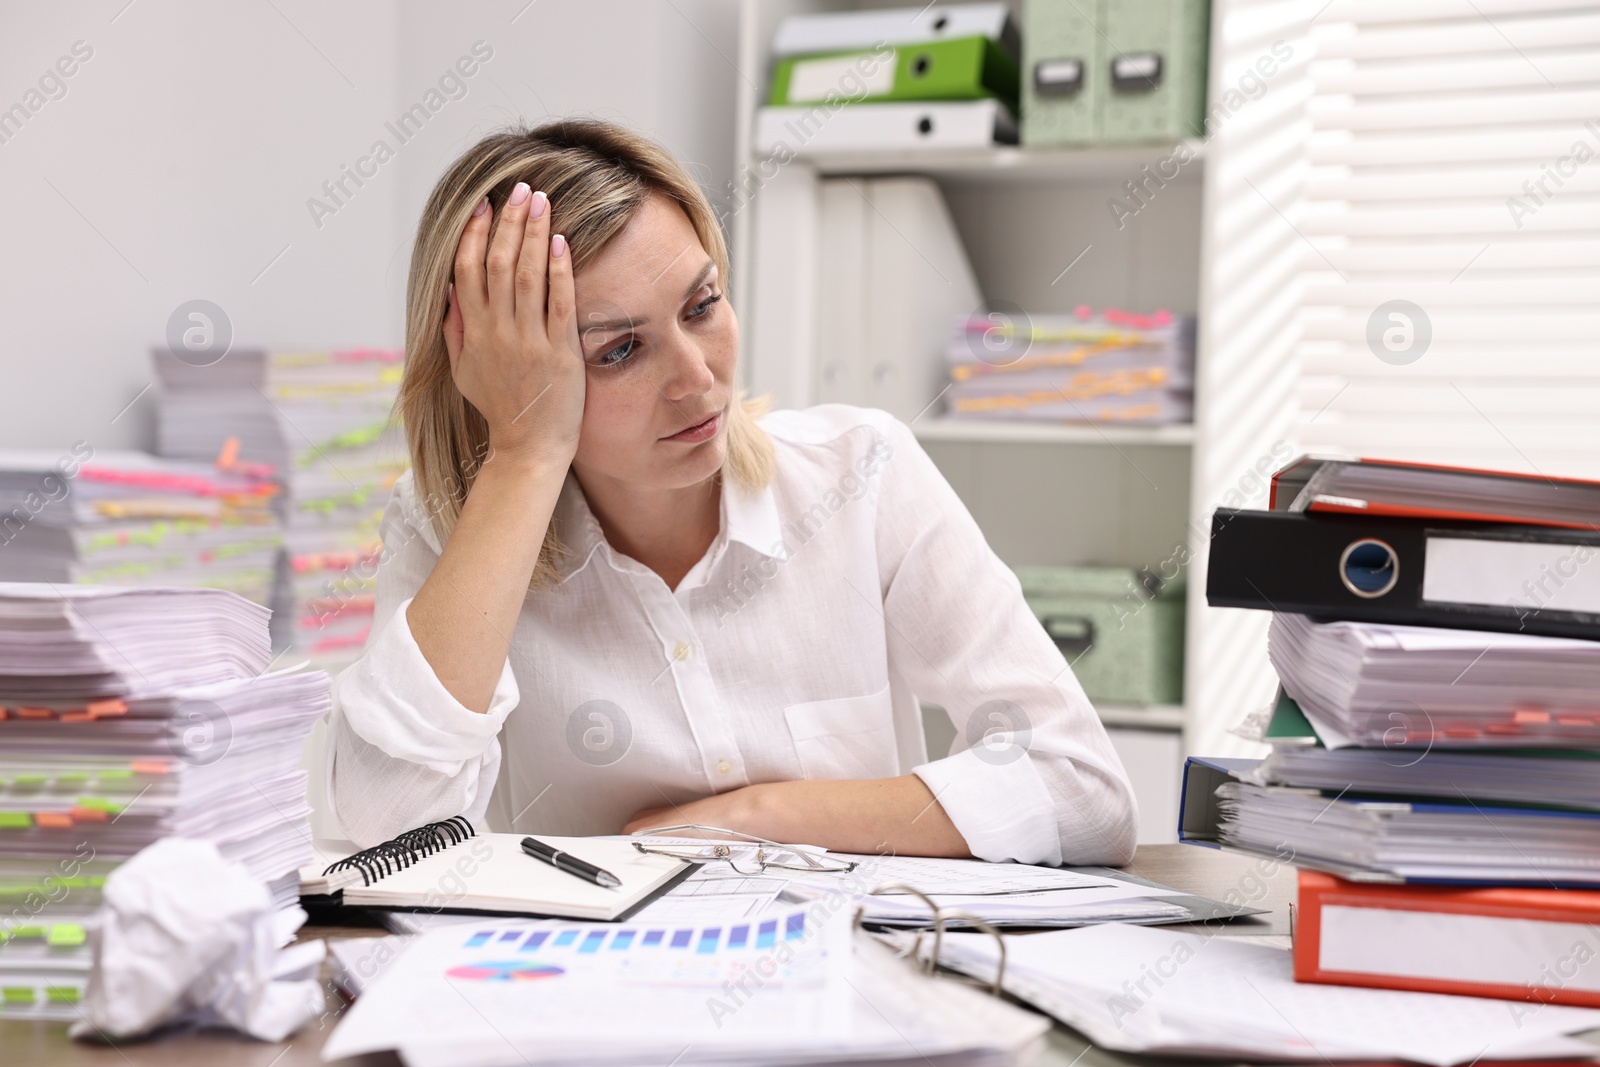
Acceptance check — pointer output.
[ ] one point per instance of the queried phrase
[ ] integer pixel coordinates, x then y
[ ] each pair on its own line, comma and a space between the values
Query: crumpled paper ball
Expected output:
187, 936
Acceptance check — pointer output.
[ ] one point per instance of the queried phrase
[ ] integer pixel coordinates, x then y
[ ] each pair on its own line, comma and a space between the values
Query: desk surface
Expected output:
1196, 870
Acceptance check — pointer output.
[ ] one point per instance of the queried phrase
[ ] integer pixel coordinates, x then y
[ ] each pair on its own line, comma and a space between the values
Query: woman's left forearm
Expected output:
894, 816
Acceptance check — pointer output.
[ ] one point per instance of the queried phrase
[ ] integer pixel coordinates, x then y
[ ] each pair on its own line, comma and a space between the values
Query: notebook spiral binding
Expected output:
401, 852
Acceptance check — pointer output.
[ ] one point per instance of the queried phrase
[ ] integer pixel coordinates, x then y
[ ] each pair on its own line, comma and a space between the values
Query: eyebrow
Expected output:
624, 324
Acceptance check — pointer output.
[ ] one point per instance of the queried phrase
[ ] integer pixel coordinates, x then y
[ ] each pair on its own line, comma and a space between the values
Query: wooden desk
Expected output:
1196, 870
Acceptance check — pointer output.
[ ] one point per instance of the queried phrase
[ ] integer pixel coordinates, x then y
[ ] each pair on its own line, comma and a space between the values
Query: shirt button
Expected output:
681, 651
723, 766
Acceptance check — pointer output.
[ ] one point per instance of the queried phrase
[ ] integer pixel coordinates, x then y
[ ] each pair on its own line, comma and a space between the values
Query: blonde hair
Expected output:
597, 175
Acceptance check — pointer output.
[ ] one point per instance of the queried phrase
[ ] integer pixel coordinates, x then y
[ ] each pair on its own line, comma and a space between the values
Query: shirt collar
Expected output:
749, 516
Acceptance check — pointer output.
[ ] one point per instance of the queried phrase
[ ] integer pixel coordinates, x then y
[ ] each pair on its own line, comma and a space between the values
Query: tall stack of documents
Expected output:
944, 77
1457, 764
322, 422
1110, 367
128, 715
128, 518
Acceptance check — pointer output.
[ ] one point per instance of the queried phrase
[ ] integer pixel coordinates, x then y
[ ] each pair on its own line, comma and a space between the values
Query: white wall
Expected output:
179, 161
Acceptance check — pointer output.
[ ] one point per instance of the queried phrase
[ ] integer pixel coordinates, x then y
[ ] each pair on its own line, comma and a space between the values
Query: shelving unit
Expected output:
1215, 240
941, 429
1002, 162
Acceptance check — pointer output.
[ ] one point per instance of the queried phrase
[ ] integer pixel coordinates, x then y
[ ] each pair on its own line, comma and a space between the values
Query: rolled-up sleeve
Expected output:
1032, 776
402, 751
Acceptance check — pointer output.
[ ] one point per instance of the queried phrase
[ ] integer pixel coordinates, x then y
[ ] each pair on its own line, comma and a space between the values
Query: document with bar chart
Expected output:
784, 976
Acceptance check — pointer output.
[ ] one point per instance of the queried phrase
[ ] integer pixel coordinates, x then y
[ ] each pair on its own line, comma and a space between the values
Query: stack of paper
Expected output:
1110, 367
127, 518
1416, 841
128, 715
1406, 753
1388, 686
1013, 894
792, 988
1540, 777
1138, 989
322, 421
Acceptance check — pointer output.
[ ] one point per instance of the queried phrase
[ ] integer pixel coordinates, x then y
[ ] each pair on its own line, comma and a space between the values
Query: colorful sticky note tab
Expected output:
66, 935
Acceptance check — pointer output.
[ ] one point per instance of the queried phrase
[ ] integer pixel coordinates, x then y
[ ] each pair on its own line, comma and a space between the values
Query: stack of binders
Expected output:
128, 715
1111, 367
944, 77
322, 423
1436, 744
127, 518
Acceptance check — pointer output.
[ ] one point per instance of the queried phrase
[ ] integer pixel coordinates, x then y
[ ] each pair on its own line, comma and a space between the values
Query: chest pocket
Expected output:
848, 737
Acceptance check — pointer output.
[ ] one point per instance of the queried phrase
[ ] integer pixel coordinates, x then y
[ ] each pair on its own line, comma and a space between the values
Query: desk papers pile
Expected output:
793, 988
1141, 989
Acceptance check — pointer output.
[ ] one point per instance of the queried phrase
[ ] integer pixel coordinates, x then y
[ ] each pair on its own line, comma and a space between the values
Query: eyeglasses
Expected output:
747, 849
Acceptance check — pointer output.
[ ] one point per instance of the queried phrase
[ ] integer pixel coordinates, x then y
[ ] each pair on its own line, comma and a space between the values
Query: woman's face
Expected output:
661, 346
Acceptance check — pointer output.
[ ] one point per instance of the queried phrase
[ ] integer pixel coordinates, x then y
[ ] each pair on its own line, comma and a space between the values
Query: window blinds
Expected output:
1451, 252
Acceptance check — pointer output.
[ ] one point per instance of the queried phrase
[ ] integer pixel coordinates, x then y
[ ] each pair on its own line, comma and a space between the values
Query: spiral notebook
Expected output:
447, 866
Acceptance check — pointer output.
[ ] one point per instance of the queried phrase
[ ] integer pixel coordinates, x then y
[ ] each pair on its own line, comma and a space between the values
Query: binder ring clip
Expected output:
929, 963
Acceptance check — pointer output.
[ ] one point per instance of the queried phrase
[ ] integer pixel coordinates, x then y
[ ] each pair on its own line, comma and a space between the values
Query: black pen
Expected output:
566, 861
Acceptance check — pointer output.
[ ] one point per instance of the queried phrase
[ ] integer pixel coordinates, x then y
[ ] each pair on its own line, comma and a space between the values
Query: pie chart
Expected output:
504, 971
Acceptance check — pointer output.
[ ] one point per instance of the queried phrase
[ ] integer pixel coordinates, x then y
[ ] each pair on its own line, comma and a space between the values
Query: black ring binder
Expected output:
401, 852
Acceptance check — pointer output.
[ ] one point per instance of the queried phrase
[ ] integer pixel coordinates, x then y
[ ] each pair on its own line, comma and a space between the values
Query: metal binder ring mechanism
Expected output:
1369, 568
930, 962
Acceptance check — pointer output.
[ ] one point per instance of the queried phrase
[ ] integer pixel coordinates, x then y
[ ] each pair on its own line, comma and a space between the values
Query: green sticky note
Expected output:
15, 820
115, 776
66, 935
17, 994
27, 931
72, 778
29, 780
62, 994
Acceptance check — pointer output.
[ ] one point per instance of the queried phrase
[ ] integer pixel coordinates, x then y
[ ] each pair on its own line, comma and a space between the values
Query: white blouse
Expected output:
829, 602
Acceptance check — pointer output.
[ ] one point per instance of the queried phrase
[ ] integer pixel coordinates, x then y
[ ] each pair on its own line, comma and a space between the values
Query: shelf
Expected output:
1140, 717
1013, 163
928, 428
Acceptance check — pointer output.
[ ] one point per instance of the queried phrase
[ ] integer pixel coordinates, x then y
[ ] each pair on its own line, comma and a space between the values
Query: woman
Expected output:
611, 598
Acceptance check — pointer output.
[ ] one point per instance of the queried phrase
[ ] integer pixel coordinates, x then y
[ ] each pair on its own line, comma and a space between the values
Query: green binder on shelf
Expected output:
1114, 71
963, 68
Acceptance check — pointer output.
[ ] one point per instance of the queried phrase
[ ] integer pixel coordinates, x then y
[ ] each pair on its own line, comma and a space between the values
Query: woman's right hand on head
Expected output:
511, 331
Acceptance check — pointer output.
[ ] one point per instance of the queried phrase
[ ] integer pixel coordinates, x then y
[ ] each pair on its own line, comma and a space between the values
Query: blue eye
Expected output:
620, 353
704, 306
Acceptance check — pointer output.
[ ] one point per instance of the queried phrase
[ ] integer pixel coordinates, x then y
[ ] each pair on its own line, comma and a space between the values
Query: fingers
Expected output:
560, 322
531, 265
500, 265
470, 292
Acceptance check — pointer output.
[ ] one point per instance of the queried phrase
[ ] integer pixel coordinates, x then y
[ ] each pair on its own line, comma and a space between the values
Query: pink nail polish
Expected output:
519, 193
558, 246
483, 205
539, 202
